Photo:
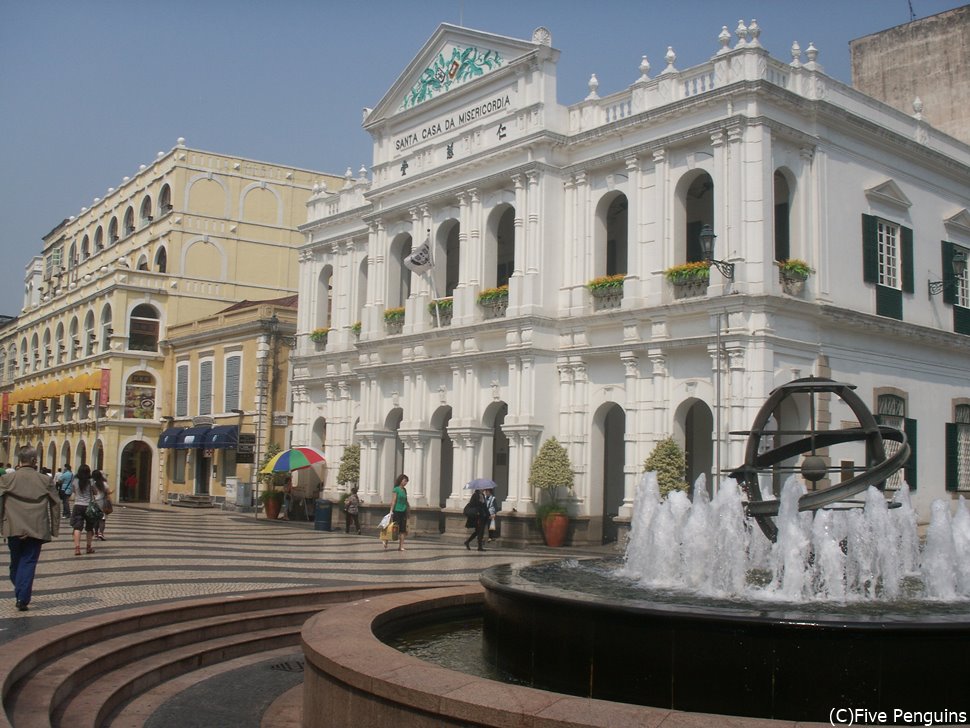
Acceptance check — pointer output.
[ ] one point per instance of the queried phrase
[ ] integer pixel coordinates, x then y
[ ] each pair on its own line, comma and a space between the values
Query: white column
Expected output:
569, 243
631, 368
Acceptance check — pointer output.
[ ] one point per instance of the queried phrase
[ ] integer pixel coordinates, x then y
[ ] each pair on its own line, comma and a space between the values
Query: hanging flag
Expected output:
420, 260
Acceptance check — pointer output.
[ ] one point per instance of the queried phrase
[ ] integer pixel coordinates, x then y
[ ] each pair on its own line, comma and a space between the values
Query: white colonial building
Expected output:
474, 153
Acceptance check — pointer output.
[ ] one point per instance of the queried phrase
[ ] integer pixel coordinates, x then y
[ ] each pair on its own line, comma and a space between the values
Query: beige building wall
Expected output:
927, 59
260, 334
184, 237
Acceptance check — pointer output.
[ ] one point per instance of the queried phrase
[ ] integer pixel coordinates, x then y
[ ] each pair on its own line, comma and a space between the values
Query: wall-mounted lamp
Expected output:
959, 264
707, 238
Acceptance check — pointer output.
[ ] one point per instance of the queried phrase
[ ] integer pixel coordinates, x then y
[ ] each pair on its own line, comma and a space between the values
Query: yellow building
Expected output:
225, 399
186, 236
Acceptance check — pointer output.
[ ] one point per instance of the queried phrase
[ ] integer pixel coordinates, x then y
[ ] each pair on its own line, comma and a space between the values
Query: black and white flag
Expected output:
420, 259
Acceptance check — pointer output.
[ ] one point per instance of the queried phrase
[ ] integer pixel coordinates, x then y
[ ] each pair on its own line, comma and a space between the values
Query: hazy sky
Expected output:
91, 89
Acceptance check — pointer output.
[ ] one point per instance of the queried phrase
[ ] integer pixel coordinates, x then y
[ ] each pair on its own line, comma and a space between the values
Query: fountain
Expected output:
737, 604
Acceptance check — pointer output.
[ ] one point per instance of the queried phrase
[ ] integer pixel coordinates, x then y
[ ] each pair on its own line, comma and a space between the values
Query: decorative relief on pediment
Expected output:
451, 67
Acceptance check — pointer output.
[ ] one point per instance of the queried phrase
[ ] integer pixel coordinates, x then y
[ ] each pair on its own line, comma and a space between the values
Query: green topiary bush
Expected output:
349, 471
550, 471
667, 459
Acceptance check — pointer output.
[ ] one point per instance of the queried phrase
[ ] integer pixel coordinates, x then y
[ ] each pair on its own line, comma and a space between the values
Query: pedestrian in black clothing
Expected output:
477, 517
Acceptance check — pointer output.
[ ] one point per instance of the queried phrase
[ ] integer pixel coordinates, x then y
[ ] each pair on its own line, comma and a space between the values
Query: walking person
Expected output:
476, 515
103, 499
352, 511
28, 518
84, 492
399, 508
490, 506
65, 480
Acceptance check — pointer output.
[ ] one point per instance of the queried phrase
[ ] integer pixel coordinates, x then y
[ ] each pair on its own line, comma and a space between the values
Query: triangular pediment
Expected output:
959, 222
890, 193
452, 58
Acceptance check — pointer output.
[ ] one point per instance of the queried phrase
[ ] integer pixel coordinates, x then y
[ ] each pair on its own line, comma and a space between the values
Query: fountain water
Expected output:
707, 547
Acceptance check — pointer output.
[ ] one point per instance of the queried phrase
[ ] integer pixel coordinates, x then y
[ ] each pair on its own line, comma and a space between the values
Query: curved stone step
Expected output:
90, 668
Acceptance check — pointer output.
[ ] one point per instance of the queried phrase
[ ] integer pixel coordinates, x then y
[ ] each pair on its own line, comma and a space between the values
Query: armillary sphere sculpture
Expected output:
762, 455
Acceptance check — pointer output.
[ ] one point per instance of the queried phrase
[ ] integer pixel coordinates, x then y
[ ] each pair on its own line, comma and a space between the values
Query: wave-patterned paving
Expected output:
177, 604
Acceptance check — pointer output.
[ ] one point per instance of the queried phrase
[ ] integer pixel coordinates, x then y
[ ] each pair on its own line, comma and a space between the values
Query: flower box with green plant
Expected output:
550, 471
607, 284
794, 268
394, 315
356, 327
667, 460
494, 295
320, 335
442, 305
695, 272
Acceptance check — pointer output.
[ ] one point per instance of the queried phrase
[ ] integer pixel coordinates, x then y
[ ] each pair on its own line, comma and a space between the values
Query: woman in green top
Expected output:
399, 508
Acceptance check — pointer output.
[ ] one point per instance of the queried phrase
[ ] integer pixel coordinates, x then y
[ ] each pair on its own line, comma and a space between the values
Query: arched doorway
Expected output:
392, 450
441, 458
136, 459
698, 442
614, 462
494, 419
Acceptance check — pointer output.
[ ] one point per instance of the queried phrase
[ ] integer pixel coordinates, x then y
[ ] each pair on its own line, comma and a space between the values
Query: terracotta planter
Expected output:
272, 509
554, 528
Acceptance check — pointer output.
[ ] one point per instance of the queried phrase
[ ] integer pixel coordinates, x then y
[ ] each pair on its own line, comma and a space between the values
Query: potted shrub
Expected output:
320, 335
495, 301
607, 290
792, 274
441, 310
356, 327
667, 460
394, 319
271, 499
550, 471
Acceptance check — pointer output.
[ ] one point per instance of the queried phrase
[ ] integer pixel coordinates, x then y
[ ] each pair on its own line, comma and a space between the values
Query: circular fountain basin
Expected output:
573, 628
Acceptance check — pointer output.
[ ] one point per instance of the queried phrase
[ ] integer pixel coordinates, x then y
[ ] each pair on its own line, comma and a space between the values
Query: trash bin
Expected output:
322, 515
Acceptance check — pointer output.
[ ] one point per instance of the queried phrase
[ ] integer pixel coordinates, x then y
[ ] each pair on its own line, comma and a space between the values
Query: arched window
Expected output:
60, 344
142, 263
35, 347
72, 256
143, 328
398, 275
85, 248
164, 200
74, 345
129, 221
140, 396
891, 410
99, 239
611, 235
146, 210
324, 297
48, 351
499, 246
106, 329
90, 337
161, 261
696, 209
113, 231
782, 217
447, 258
361, 289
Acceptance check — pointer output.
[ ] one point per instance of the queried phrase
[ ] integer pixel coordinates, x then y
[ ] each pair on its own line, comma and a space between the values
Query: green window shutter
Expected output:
952, 456
909, 470
949, 280
906, 255
889, 302
870, 250
961, 320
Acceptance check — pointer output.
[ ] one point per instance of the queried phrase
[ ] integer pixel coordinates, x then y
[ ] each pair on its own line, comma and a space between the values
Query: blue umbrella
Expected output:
480, 484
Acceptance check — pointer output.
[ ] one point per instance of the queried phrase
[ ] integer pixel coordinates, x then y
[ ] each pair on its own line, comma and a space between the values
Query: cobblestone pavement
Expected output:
160, 554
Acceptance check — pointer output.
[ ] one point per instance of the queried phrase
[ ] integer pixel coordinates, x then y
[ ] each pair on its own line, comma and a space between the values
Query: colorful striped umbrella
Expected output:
296, 458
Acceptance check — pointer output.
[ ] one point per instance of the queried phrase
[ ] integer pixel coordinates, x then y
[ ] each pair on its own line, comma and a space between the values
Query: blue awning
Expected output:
192, 437
169, 437
223, 436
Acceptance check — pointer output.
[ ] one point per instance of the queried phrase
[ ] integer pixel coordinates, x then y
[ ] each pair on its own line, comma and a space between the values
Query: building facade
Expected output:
187, 235
225, 399
561, 237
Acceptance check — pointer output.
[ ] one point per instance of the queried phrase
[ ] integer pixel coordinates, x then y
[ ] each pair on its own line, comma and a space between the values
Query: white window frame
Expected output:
888, 239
